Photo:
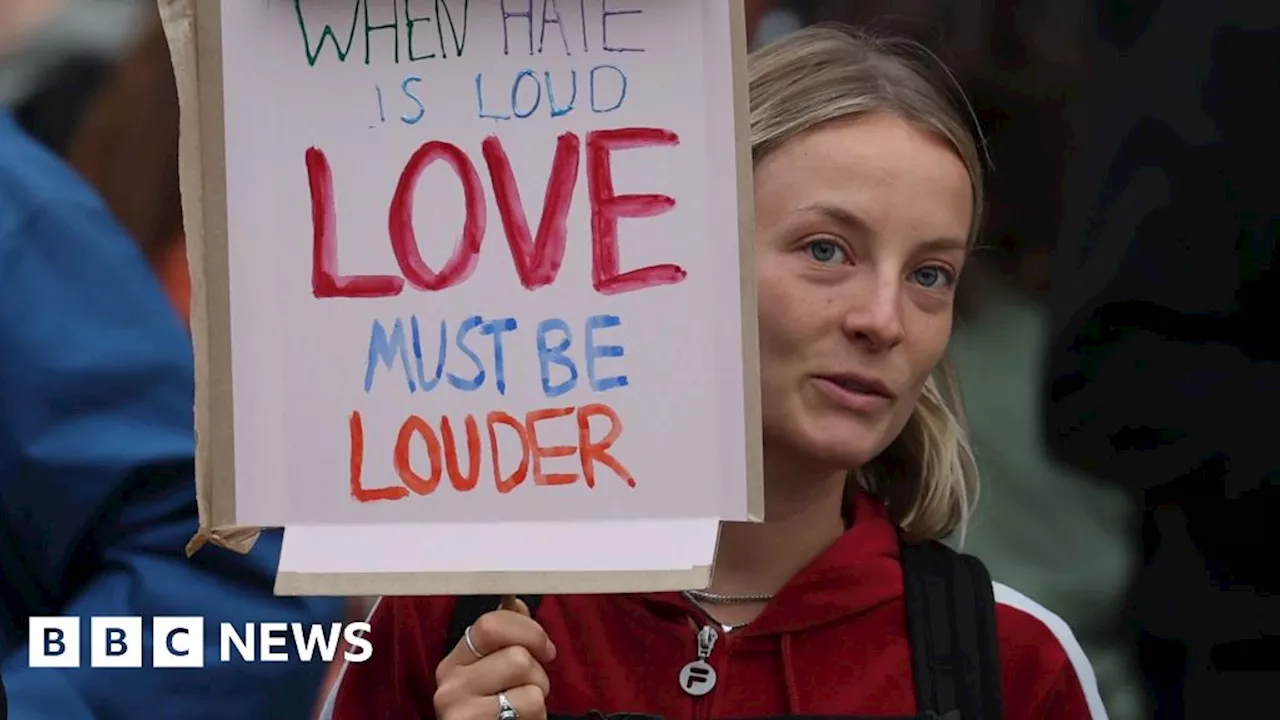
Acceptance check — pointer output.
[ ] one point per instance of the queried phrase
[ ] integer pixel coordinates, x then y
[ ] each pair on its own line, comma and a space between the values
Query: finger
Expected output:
515, 604
509, 667
496, 630
504, 628
528, 700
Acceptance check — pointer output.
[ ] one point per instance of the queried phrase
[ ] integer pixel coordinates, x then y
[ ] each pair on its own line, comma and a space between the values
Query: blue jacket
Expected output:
97, 497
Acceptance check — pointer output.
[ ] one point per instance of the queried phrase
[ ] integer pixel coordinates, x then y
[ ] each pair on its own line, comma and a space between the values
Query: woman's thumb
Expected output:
515, 604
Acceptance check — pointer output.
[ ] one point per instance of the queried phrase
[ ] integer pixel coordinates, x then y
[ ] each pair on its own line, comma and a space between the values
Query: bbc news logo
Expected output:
179, 642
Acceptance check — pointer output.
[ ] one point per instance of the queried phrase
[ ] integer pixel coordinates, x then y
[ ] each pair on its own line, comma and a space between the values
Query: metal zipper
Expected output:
697, 678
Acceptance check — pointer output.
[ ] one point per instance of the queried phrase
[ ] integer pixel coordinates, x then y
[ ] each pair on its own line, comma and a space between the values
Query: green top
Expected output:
1058, 536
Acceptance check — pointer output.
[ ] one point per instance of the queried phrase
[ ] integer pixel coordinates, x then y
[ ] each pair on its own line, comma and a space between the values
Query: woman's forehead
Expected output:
866, 174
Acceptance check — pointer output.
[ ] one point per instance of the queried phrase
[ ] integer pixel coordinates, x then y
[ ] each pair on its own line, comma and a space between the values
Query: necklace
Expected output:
690, 595
717, 599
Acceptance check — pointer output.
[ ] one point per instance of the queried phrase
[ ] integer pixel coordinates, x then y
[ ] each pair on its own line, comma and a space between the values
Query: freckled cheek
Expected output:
784, 338
929, 347
788, 316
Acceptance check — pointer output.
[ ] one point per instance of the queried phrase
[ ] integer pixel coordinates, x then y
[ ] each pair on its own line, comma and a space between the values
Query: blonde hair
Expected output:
927, 476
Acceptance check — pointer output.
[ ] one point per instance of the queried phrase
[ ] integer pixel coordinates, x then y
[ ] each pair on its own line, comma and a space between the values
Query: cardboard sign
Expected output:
474, 292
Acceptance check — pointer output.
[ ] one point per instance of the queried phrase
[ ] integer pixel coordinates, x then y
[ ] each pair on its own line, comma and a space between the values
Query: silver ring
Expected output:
506, 711
466, 638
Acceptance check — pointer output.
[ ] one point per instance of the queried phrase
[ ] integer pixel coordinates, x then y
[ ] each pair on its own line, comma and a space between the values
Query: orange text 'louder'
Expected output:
423, 476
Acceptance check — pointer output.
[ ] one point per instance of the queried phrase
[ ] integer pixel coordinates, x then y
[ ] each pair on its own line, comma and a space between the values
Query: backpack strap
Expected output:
951, 625
468, 608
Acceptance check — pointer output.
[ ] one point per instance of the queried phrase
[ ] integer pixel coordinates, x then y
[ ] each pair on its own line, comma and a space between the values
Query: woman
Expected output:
868, 196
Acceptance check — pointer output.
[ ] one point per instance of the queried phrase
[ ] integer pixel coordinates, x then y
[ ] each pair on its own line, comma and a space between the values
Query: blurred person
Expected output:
1164, 368
776, 20
1049, 529
54, 52
754, 11
1054, 532
868, 198
127, 148
97, 498
19, 17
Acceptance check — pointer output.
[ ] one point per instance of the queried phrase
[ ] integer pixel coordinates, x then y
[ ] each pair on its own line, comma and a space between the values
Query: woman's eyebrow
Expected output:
841, 215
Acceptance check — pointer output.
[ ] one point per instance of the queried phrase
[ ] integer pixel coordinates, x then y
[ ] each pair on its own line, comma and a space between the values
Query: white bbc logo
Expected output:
178, 642
116, 642
54, 642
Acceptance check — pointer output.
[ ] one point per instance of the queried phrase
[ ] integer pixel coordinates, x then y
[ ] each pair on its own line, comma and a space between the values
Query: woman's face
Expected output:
861, 236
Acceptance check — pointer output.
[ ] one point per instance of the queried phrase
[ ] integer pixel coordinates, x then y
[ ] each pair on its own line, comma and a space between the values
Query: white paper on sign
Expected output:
487, 274
502, 558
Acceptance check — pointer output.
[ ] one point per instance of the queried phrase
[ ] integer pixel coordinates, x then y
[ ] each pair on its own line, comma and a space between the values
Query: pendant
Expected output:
698, 678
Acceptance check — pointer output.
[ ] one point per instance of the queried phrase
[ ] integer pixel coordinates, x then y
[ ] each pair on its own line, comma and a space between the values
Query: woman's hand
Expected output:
506, 652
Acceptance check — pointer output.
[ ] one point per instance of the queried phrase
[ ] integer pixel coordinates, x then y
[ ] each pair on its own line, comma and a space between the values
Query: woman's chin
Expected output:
845, 451
836, 444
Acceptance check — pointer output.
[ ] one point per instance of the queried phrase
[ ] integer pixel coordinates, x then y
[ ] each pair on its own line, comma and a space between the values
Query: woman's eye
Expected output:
933, 276
825, 251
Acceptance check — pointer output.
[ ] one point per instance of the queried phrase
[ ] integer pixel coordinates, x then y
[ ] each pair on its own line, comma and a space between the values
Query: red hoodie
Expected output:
833, 642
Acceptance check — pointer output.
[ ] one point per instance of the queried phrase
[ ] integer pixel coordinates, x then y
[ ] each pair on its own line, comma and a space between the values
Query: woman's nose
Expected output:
874, 317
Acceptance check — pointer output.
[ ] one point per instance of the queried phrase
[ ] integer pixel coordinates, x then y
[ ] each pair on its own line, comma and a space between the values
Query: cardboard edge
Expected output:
217, 437
193, 30
715, 552
203, 183
747, 265
291, 583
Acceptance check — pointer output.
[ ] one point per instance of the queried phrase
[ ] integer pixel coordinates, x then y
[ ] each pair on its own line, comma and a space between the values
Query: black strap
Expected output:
951, 624
468, 608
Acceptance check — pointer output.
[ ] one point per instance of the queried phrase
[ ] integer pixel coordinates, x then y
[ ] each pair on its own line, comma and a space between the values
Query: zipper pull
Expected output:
698, 677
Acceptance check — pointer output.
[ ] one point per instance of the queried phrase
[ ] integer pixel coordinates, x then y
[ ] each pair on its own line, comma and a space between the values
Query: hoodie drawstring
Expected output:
789, 675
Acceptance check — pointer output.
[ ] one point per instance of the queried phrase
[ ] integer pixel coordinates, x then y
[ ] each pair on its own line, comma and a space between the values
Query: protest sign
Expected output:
474, 293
